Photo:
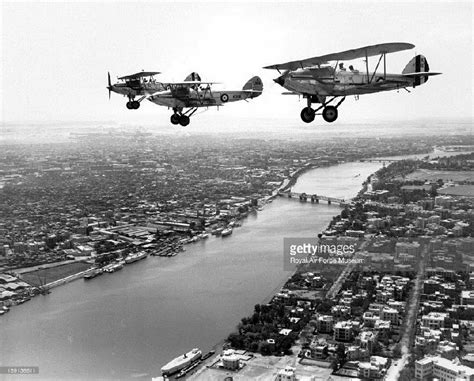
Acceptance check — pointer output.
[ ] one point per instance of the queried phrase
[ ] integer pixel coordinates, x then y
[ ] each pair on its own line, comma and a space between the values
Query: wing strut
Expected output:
367, 65
378, 63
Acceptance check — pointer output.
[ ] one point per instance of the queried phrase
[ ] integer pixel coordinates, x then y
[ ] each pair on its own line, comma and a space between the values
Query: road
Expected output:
48, 265
332, 292
410, 320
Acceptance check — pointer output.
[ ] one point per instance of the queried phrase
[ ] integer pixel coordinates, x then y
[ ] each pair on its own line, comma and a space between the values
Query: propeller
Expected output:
109, 87
281, 79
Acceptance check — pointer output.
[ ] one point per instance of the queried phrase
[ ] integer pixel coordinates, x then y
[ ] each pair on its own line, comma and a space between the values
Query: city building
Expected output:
343, 331
286, 374
443, 369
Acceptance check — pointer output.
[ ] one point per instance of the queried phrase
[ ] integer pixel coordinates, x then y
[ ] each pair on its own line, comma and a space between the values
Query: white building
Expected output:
286, 374
467, 297
443, 369
434, 320
390, 314
375, 369
343, 331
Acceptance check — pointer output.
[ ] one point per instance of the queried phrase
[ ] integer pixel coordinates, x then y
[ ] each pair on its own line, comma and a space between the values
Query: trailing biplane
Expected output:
135, 85
184, 98
324, 79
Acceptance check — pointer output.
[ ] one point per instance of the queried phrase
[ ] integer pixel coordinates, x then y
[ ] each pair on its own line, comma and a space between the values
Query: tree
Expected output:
266, 348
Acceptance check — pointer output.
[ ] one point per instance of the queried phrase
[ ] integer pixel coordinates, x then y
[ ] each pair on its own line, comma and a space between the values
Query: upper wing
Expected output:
140, 74
347, 55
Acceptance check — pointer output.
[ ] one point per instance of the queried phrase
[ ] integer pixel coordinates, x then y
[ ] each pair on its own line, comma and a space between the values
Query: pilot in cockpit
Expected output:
351, 68
341, 67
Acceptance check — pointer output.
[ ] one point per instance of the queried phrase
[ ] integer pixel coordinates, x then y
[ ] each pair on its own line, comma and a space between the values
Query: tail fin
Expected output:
254, 84
193, 77
418, 64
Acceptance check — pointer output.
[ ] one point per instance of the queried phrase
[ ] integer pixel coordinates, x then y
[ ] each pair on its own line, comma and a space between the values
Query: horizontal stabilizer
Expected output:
421, 74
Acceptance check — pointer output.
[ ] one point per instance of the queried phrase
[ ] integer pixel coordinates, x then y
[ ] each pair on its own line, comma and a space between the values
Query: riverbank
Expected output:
211, 375
202, 370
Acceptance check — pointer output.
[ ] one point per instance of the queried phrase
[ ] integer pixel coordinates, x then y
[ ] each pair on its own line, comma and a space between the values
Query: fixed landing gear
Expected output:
182, 118
329, 112
308, 114
133, 105
174, 119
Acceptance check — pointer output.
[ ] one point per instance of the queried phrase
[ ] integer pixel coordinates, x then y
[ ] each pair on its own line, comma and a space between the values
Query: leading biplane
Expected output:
324, 79
184, 98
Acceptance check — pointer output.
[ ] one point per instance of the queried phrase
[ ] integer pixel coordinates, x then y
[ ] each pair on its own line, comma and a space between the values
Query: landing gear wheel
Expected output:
330, 114
307, 114
184, 120
174, 119
135, 105
129, 105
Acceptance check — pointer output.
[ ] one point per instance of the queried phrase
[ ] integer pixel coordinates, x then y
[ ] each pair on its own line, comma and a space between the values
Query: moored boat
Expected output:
217, 231
181, 362
226, 232
134, 257
93, 273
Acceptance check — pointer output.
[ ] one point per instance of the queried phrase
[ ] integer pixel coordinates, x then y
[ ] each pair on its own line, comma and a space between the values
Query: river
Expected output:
128, 324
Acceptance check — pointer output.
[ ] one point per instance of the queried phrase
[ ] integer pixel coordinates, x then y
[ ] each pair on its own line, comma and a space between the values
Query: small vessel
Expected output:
114, 267
208, 354
181, 362
217, 231
188, 369
204, 235
226, 232
93, 274
136, 257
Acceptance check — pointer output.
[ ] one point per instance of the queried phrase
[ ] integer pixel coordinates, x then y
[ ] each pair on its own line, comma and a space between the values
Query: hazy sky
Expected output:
55, 56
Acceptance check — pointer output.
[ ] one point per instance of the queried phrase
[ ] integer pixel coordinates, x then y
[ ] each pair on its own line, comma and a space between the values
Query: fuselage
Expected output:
326, 82
132, 90
190, 97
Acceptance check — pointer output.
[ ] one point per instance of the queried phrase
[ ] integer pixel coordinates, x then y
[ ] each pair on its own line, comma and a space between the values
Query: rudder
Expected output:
254, 84
418, 64
193, 77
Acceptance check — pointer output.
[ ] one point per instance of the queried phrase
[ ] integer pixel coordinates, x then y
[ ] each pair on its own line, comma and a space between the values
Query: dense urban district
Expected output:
401, 309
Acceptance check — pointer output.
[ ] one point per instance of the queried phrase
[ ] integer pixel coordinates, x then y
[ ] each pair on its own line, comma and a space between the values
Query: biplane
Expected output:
184, 98
324, 79
135, 85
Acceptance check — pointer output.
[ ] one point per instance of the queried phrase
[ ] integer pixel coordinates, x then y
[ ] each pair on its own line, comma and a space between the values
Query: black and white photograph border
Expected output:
210, 190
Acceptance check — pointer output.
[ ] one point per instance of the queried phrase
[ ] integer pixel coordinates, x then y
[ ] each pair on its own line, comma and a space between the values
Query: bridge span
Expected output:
376, 160
314, 198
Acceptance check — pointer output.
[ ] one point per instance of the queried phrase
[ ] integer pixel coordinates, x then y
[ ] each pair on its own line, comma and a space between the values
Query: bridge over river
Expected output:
314, 198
